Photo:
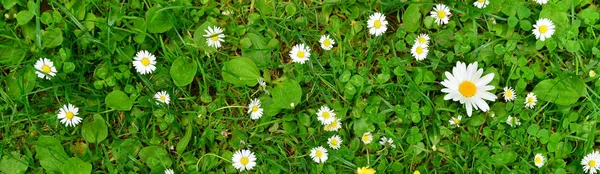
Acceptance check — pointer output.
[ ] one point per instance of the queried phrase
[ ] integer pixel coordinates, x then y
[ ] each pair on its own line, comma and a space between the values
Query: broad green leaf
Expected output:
68, 67
287, 94
77, 166
183, 142
157, 20
557, 16
560, 91
118, 100
95, 131
20, 83
265, 7
183, 71
50, 153
52, 38
155, 157
240, 71
412, 18
8, 3
140, 28
127, 148
258, 50
13, 164
23, 17
360, 126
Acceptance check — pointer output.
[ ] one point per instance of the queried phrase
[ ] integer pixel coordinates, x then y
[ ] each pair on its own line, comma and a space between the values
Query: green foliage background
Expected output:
372, 83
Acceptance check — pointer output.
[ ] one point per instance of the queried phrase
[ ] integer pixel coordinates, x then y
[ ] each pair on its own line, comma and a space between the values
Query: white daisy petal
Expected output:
214, 36
440, 13
243, 160
377, 24
300, 53
68, 115
326, 42
466, 85
319, 154
45, 68
254, 109
144, 62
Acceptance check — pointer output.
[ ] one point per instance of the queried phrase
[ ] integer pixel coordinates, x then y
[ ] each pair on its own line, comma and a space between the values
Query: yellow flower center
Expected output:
417, 172
69, 115
319, 153
467, 89
480, 1
456, 121
422, 40
419, 50
377, 24
334, 142
530, 100
244, 160
254, 108
214, 38
300, 54
163, 98
592, 163
145, 61
326, 42
326, 115
538, 160
46, 69
365, 170
333, 124
508, 94
366, 137
543, 29
441, 14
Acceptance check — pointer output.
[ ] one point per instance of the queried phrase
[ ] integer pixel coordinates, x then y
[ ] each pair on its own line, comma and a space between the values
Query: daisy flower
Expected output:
383, 141
466, 85
440, 13
335, 142
543, 28
45, 68
530, 100
592, 73
162, 96
144, 62
419, 51
539, 160
227, 12
335, 125
422, 39
377, 24
513, 121
325, 115
509, 94
214, 36
169, 171
365, 170
255, 110
68, 115
318, 154
481, 3
367, 138
541, 2
455, 121
417, 172
263, 85
326, 42
300, 53
243, 160
591, 162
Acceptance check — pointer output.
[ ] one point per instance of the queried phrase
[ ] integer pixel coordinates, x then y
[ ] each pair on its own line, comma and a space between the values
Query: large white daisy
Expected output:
419, 51
591, 162
300, 53
243, 160
68, 115
466, 85
481, 3
440, 13
144, 62
163, 97
214, 36
45, 68
325, 115
254, 109
543, 29
319, 154
326, 42
377, 24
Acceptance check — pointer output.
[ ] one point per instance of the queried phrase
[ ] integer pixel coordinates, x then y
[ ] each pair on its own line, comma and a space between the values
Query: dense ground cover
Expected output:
254, 86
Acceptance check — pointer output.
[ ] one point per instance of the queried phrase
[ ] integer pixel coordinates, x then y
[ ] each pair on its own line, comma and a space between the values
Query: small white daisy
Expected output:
214, 36
419, 51
163, 97
169, 171
326, 42
45, 68
263, 85
541, 2
254, 109
367, 138
466, 85
591, 162
539, 160
513, 121
383, 141
144, 62
68, 115
440, 13
227, 12
481, 3
300, 53
422, 39
335, 125
377, 24
334, 142
509, 94
592, 73
543, 28
244, 160
530, 100
455, 121
325, 115
319, 154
